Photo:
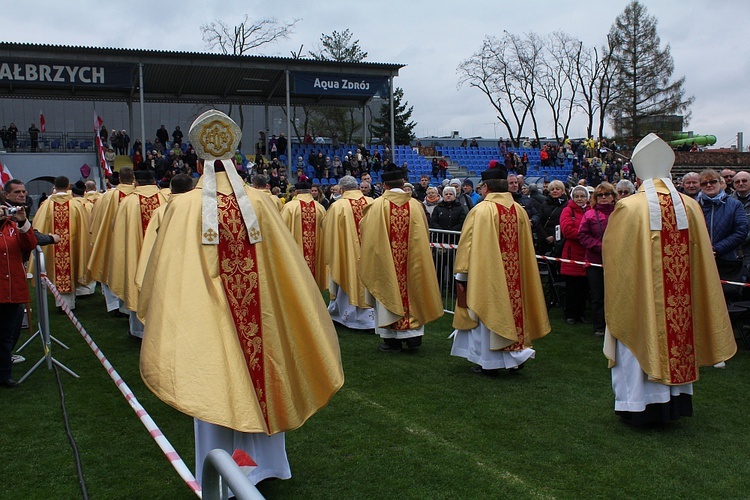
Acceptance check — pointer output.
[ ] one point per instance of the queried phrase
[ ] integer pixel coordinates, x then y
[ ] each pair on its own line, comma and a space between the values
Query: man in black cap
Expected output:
396, 265
495, 258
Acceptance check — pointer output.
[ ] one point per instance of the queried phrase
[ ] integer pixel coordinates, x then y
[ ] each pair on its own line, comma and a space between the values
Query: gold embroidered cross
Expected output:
254, 234
210, 235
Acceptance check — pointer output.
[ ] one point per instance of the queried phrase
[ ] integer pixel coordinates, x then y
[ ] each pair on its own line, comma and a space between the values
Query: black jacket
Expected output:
448, 216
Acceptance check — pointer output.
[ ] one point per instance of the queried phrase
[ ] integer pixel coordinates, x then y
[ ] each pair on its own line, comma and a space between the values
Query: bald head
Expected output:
742, 183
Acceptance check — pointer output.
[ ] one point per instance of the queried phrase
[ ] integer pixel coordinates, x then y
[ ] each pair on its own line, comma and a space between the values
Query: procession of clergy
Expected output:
223, 284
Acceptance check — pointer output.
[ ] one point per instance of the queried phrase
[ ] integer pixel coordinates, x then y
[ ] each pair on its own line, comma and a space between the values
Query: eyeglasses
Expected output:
740, 181
623, 192
602, 195
712, 181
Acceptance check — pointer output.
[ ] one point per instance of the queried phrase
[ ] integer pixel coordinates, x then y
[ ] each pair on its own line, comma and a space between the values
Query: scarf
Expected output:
432, 200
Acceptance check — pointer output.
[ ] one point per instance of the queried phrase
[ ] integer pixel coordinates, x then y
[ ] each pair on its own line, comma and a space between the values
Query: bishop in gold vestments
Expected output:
342, 236
236, 331
396, 265
65, 261
665, 309
505, 309
304, 216
129, 228
103, 216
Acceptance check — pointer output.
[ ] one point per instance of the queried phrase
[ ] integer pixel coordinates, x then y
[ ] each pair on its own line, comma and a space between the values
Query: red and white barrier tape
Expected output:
146, 420
451, 246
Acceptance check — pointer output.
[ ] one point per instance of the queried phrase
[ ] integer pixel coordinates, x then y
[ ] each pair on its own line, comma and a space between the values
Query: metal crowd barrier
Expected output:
444, 245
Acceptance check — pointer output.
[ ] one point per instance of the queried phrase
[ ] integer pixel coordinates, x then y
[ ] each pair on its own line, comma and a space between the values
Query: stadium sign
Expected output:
337, 84
48, 73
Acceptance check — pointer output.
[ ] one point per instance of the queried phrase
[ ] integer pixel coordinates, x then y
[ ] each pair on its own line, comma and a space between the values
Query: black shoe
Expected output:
479, 369
388, 348
516, 368
117, 314
413, 342
9, 384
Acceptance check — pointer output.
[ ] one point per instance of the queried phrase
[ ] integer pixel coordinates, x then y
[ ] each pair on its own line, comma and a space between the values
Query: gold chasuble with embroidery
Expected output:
128, 229
395, 262
504, 289
342, 237
149, 238
66, 267
304, 216
101, 230
236, 334
89, 201
663, 298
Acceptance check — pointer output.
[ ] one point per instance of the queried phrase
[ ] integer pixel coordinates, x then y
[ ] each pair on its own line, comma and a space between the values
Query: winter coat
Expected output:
13, 245
448, 216
570, 219
727, 226
549, 217
591, 231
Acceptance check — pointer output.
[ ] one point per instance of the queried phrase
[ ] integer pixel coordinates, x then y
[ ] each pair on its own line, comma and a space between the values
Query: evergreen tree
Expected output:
643, 72
404, 129
345, 122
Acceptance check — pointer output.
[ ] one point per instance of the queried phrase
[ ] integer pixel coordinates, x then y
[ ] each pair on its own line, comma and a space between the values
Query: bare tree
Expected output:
245, 37
503, 70
556, 80
606, 90
587, 69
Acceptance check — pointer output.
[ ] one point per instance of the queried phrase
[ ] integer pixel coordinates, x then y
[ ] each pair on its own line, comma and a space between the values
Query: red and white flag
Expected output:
98, 122
5, 174
42, 123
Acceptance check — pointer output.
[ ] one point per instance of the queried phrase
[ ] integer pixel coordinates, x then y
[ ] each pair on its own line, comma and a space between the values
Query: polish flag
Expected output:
42, 123
98, 122
102, 158
5, 174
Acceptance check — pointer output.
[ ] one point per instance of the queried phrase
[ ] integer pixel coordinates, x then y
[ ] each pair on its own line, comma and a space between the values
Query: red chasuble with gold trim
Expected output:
508, 240
62, 250
675, 248
148, 205
358, 208
309, 233
399, 238
239, 276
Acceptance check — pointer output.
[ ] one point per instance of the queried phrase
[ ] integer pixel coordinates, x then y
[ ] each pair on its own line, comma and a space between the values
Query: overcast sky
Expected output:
709, 44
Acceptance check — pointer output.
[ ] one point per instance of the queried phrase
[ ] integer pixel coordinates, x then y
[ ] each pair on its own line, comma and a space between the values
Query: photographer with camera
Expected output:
16, 239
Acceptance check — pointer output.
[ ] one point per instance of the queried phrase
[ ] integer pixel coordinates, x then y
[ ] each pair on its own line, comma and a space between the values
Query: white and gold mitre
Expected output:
215, 136
653, 159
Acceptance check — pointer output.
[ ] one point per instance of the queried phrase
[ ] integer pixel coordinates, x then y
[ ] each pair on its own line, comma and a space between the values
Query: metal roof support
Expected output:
288, 124
364, 124
393, 123
143, 119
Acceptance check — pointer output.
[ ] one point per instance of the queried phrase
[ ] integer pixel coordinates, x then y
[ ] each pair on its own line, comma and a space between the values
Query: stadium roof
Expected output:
77, 73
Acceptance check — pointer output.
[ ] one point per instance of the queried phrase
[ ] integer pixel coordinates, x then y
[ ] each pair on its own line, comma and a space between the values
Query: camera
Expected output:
9, 211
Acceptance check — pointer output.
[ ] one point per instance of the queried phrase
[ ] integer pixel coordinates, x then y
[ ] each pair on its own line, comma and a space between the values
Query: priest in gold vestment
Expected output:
65, 261
304, 216
396, 265
260, 182
102, 219
128, 230
665, 309
501, 307
236, 331
341, 235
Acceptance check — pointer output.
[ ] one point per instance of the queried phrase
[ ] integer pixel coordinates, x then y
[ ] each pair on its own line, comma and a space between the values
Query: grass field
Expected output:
408, 425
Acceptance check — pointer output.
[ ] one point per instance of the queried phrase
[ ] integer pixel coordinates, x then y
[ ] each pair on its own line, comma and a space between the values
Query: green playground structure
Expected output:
684, 138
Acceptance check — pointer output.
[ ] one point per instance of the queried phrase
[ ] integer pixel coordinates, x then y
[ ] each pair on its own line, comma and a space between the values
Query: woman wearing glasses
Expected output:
590, 235
576, 285
727, 226
624, 189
